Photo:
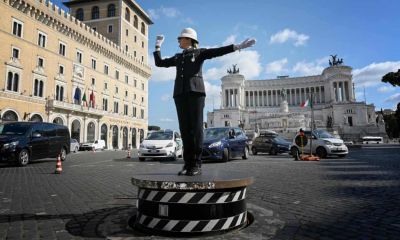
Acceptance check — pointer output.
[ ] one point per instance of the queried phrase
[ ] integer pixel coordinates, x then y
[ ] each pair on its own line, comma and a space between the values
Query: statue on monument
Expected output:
335, 61
234, 70
283, 94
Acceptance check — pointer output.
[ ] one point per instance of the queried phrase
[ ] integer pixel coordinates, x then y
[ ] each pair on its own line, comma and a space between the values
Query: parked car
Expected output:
270, 143
22, 142
93, 145
323, 145
224, 143
74, 145
161, 144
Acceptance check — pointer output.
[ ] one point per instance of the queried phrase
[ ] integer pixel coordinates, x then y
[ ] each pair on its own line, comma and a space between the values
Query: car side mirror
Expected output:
36, 135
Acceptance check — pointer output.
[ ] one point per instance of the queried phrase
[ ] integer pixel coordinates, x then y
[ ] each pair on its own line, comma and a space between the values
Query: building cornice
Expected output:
57, 19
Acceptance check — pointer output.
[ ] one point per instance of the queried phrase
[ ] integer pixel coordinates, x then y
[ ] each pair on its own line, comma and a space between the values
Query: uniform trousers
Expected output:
189, 107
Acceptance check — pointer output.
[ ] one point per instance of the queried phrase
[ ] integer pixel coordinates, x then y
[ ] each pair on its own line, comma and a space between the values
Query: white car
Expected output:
161, 144
74, 145
95, 145
323, 145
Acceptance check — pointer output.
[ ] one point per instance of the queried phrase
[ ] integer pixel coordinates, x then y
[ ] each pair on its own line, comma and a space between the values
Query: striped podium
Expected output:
172, 205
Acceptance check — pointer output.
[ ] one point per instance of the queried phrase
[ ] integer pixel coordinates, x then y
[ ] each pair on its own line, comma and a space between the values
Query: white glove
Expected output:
159, 41
245, 44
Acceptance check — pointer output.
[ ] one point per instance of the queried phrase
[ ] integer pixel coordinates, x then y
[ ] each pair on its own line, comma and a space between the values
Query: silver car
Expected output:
74, 145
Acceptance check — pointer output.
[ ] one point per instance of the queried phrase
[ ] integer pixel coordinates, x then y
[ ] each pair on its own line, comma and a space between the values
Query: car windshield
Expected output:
323, 134
13, 129
278, 139
212, 133
160, 136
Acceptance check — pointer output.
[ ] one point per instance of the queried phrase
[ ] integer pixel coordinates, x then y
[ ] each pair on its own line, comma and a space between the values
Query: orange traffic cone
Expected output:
58, 165
129, 154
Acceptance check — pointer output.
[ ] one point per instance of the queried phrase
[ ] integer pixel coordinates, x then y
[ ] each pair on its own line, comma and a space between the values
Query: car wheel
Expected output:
273, 151
246, 153
225, 156
63, 154
321, 152
254, 150
142, 159
342, 155
23, 158
295, 153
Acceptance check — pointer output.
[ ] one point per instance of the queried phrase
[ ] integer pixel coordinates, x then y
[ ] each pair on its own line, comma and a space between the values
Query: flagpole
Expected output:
312, 120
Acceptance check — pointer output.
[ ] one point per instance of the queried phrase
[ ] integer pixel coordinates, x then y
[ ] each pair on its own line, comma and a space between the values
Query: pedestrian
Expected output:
189, 92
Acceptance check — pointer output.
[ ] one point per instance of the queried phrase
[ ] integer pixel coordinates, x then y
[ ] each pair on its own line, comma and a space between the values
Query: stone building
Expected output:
275, 104
52, 61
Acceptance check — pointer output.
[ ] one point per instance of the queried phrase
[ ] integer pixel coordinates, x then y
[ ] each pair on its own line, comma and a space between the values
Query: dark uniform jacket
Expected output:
189, 76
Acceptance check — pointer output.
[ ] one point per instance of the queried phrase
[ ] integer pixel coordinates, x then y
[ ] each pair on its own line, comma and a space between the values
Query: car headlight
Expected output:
10, 145
216, 144
328, 143
170, 144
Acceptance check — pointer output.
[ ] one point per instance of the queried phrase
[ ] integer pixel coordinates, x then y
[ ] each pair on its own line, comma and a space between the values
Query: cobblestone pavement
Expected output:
357, 197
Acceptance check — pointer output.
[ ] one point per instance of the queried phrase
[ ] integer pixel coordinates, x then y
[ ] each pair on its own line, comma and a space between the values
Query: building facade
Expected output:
276, 104
86, 69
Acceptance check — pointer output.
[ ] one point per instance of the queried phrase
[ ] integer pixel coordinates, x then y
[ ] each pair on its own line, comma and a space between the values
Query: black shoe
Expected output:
193, 171
183, 171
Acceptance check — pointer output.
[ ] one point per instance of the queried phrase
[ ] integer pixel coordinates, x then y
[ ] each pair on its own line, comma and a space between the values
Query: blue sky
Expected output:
294, 38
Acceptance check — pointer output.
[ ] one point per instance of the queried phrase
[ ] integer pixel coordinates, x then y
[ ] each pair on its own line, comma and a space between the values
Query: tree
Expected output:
392, 78
153, 128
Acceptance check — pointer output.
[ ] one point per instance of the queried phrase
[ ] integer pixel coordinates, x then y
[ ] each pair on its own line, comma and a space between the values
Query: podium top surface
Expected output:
209, 180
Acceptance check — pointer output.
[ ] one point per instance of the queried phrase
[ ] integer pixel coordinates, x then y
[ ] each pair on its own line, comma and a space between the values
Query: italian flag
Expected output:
84, 101
307, 103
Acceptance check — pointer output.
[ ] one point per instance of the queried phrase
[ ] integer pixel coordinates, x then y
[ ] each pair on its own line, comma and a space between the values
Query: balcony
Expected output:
54, 104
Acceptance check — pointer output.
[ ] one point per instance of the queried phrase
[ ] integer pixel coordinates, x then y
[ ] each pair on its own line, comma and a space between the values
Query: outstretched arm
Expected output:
167, 62
216, 52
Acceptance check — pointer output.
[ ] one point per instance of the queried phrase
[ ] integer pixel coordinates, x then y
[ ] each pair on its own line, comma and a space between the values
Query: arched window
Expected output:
127, 14
16, 82
58, 120
36, 118
143, 29
9, 81
38, 88
9, 116
12, 81
136, 22
95, 12
79, 14
111, 10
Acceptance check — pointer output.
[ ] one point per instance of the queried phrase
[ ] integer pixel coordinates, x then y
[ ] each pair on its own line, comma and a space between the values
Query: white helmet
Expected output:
189, 33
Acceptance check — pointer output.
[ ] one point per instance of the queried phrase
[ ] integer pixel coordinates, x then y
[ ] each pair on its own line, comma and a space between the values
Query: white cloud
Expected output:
169, 12
248, 62
213, 92
310, 68
160, 74
385, 89
276, 67
165, 97
166, 120
372, 74
394, 98
287, 34
230, 40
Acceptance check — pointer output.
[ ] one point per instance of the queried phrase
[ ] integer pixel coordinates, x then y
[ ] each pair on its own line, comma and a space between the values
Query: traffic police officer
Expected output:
189, 92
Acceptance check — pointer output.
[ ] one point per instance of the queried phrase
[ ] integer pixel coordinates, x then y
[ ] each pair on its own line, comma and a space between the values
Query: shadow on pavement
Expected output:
101, 223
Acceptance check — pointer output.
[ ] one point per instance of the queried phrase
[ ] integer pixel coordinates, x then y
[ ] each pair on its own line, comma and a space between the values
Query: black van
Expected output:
26, 141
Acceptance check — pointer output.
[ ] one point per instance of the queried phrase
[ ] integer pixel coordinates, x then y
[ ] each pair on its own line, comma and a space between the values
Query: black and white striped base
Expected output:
191, 212
208, 204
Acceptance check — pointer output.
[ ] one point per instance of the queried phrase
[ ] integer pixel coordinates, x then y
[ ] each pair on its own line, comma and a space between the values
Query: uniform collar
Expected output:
188, 50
